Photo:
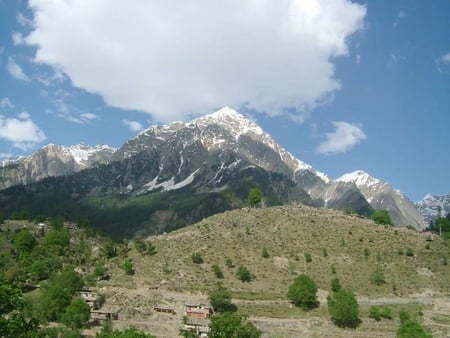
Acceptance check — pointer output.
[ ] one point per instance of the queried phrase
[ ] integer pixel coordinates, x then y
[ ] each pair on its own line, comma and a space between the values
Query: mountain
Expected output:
431, 205
381, 195
172, 175
52, 160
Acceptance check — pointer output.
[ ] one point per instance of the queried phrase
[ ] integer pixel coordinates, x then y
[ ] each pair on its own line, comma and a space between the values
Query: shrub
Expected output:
265, 253
232, 325
229, 263
335, 284
243, 273
217, 271
374, 312
386, 313
344, 308
412, 329
308, 257
197, 258
303, 292
128, 268
409, 252
381, 217
366, 253
333, 269
76, 314
377, 277
325, 252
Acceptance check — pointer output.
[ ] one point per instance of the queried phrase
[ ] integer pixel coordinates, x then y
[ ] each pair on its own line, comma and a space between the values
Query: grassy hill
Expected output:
351, 246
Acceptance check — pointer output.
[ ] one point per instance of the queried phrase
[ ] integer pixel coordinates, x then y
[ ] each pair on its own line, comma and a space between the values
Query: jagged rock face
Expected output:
381, 195
52, 160
433, 206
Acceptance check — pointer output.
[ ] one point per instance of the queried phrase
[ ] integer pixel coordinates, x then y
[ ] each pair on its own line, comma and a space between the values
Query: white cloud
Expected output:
133, 125
343, 139
21, 131
17, 38
23, 20
446, 58
89, 116
6, 103
401, 15
16, 71
173, 59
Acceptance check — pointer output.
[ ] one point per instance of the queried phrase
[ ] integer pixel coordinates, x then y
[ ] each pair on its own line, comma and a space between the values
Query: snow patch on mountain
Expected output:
360, 178
434, 206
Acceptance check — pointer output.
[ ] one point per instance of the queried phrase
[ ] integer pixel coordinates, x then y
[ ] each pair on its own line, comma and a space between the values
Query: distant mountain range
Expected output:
172, 175
434, 206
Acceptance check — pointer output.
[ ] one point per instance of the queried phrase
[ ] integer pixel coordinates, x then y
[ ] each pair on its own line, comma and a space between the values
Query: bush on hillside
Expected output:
344, 309
303, 292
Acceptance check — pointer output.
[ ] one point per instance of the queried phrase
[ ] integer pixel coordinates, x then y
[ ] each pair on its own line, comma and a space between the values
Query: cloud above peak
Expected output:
173, 59
342, 139
21, 131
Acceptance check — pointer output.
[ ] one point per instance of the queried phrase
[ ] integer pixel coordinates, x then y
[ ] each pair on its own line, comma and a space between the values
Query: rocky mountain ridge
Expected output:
223, 152
52, 160
434, 206
381, 195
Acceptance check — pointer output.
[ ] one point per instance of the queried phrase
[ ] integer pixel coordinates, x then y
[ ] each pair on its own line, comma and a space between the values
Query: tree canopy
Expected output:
254, 197
381, 217
303, 292
344, 308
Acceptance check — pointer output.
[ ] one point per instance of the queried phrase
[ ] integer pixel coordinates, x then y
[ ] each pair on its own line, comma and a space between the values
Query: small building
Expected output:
200, 311
198, 326
104, 314
162, 309
93, 299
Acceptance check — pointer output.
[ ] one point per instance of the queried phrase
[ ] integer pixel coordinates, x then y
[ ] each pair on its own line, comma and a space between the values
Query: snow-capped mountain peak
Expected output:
434, 206
360, 178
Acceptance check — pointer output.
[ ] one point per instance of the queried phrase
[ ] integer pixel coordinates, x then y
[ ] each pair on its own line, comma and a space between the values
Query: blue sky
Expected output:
342, 85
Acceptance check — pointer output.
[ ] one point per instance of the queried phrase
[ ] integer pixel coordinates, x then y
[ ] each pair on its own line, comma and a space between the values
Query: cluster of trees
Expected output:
226, 322
381, 217
441, 226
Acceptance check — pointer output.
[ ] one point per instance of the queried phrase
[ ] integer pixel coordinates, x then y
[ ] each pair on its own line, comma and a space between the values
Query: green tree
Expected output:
303, 292
344, 308
375, 313
244, 274
232, 325
14, 321
108, 332
25, 242
56, 241
57, 293
381, 217
254, 197
76, 314
220, 300
197, 258
412, 329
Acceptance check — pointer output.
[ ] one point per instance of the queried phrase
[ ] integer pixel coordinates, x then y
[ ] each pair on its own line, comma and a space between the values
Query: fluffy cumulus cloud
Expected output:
21, 131
16, 71
342, 139
133, 125
176, 58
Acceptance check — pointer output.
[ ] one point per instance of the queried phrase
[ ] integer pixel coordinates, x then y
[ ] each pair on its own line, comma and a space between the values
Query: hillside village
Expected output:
166, 292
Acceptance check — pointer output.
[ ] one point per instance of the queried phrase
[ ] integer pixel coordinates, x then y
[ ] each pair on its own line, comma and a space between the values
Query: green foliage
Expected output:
344, 308
366, 253
220, 300
386, 313
375, 313
76, 314
217, 271
232, 325
57, 294
14, 321
23, 215
99, 270
25, 242
265, 253
127, 266
57, 222
143, 247
404, 316
229, 263
308, 257
377, 276
254, 197
409, 252
303, 292
412, 329
56, 241
243, 273
39, 219
324, 252
333, 269
381, 217
335, 284
109, 249
197, 258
